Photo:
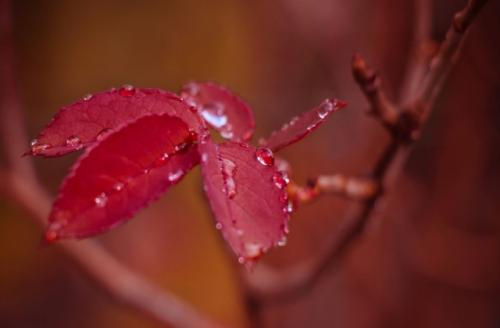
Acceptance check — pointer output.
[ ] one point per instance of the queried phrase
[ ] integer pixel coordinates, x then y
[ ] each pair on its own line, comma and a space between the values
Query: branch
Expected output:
269, 286
421, 51
338, 184
446, 57
21, 185
369, 82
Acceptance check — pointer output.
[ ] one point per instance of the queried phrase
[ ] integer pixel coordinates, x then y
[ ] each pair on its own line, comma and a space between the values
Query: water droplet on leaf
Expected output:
87, 97
228, 171
282, 242
127, 90
37, 148
73, 141
213, 113
279, 180
101, 200
325, 108
175, 176
253, 250
265, 156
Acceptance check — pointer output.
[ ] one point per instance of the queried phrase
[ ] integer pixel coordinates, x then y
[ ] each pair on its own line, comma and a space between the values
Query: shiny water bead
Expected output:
127, 90
279, 181
73, 141
175, 176
101, 200
265, 156
214, 114
325, 108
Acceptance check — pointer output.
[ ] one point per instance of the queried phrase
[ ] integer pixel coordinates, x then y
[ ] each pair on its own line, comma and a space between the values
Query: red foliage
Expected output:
89, 119
142, 141
248, 197
121, 174
302, 125
221, 109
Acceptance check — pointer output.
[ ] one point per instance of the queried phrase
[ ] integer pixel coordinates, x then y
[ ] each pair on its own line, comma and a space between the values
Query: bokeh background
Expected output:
432, 258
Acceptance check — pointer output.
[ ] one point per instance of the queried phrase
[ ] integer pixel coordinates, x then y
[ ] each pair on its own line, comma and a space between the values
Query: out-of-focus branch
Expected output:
270, 286
446, 57
114, 279
20, 184
421, 51
370, 83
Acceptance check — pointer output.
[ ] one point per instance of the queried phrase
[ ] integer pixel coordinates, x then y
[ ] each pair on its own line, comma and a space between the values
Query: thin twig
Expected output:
274, 287
421, 51
354, 188
20, 184
370, 83
447, 55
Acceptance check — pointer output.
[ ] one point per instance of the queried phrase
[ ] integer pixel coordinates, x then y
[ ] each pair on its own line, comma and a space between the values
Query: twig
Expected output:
421, 51
121, 284
354, 188
447, 55
273, 287
369, 82
21, 185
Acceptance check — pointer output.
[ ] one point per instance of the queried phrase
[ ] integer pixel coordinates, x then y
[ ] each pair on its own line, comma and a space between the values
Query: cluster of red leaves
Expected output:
139, 142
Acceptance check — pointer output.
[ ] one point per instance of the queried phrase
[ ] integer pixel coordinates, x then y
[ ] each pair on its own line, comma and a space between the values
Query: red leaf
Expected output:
248, 197
121, 174
221, 109
86, 121
302, 125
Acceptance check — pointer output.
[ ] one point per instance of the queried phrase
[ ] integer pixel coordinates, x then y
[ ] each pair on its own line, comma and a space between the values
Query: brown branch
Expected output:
421, 51
269, 286
446, 57
20, 184
369, 82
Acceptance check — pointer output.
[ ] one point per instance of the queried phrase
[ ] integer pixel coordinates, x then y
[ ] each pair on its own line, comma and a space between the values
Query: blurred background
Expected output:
432, 258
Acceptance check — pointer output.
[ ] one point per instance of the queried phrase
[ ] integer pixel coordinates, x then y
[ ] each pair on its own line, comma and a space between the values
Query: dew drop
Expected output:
239, 232
285, 229
288, 208
164, 157
282, 242
228, 171
253, 250
241, 260
73, 141
213, 113
101, 200
37, 148
279, 180
127, 90
204, 157
324, 109
218, 226
175, 176
265, 156
191, 89
34, 142
118, 186
87, 97
293, 120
